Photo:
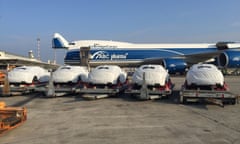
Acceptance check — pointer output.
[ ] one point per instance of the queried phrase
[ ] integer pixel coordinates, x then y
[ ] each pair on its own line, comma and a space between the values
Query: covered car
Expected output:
73, 74
107, 74
28, 75
204, 75
154, 75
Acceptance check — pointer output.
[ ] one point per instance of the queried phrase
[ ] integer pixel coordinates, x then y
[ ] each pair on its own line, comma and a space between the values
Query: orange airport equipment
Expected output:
11, 117
5, 90
2, 77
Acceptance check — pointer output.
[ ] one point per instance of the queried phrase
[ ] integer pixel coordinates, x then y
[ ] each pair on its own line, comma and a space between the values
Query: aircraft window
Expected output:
199, 67
148, 67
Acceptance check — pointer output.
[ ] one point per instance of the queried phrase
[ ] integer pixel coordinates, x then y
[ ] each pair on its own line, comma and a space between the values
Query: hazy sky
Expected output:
159, 21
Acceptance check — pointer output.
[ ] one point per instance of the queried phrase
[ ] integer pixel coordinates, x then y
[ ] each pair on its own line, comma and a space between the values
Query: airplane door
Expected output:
84, 56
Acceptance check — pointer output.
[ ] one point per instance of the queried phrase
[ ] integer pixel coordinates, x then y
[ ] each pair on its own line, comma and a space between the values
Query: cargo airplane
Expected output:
174, 57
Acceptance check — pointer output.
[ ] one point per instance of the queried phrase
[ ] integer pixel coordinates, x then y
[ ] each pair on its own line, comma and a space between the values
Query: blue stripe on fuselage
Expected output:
135, 54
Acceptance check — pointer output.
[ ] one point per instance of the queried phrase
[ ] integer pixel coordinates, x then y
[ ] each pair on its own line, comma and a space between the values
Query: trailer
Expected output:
205, 82
11, 117
58, 89
93, 92
145, 92
88, 92
84, 89
8, 89
216, 96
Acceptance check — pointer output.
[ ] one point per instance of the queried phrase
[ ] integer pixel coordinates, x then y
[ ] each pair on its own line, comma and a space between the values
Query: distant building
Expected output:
7, 59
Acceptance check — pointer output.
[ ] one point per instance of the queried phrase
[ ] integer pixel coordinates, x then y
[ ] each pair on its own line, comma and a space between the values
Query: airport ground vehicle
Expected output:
65, 80
204, 75
204, 82
2, 77
68, 78
107, 75
104, 81
70, 74
23, 79
150, 82
82, 88
11, 117
28, 75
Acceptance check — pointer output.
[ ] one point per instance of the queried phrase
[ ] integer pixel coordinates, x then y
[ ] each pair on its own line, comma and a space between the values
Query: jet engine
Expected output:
230, 59
175, 65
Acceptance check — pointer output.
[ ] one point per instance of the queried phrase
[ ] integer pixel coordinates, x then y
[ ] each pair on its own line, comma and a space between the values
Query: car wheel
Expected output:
79, 79
35, 79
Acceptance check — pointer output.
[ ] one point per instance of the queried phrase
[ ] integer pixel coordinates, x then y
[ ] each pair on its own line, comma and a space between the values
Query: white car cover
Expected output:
26, 74
204, 74
105, 74
65, 74
154, 74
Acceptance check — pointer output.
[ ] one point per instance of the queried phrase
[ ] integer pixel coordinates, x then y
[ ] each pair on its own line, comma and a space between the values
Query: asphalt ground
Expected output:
117, 120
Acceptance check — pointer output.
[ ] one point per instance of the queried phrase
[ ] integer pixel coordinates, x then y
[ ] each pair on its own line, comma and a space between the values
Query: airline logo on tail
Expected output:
59, 42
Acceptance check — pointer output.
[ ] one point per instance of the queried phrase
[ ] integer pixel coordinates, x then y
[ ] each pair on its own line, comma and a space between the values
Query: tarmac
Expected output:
123, 119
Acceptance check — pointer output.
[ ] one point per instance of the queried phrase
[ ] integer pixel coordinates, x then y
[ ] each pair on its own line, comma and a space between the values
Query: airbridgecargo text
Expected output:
106, 55
116, 56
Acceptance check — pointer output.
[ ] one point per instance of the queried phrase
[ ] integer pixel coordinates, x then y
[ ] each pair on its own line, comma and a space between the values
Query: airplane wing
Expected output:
189, 59
201, 57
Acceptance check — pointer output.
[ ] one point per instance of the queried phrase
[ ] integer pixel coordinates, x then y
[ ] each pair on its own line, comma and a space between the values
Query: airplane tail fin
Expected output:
59, 42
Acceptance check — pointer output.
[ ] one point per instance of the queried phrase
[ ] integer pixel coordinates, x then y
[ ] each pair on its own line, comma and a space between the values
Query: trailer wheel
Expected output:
233, 101
183, 100
164, 97
79, 79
